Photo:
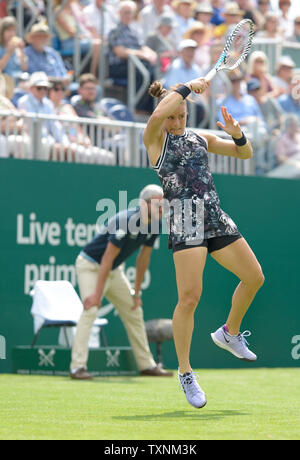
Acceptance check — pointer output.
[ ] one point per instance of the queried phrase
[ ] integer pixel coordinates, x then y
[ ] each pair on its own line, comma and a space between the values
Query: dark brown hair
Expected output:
87, 78
157, 90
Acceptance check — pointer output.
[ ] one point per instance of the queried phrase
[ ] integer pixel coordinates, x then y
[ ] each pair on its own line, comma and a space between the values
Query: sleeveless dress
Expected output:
184, 173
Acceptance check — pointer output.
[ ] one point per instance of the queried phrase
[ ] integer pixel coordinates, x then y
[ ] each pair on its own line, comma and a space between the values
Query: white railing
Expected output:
85, 140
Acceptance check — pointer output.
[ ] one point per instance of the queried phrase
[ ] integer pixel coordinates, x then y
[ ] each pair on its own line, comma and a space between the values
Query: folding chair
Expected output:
56, 304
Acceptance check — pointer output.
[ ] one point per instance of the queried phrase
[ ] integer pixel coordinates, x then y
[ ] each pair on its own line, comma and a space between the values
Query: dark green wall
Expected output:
266, 211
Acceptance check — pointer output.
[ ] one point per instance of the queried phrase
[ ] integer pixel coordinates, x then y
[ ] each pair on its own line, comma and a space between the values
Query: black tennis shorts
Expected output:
212, 244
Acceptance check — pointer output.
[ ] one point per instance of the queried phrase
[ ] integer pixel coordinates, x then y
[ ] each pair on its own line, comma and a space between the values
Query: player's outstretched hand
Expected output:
231, 125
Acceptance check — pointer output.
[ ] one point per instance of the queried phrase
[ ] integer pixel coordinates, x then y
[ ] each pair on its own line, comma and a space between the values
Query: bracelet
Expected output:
134, 294
241, 141
183, 90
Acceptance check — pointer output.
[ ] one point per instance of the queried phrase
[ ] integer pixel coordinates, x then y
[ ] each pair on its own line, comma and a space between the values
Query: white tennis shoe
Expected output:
235, 344
193, 393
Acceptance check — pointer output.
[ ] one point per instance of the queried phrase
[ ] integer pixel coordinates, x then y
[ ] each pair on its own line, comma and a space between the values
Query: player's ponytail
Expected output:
157, 90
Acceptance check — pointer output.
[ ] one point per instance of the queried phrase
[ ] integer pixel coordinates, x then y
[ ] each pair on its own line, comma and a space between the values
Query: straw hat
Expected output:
37, 29
204, 8
232, 8
197, 25
176, 3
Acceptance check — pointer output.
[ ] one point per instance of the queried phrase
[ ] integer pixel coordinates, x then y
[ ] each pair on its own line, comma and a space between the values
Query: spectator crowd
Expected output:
175, 41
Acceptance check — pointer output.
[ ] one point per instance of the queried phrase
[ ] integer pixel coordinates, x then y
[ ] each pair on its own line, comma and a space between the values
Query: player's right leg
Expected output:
189, 266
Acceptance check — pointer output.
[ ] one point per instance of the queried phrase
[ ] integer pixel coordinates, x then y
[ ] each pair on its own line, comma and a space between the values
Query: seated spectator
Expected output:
233, 15
13, 60
31, 9
246, 111
290, 102
271, 28
21, 88
79, 146
204, 13
218, 7
269, 106
241, 106
295, 37
37, 102
220, 85
70, 23
86, 106
284, 74
258, 68
288, 142
150, 15
13, 141
249, 8
93, 16
262, 8
198, 33
184, 69
123, 42
42, 57
285, 19
183, 15
162, 43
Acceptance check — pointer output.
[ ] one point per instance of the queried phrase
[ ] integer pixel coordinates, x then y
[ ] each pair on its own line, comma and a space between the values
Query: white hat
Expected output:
187, 43
286, 61
39, 79
149, 191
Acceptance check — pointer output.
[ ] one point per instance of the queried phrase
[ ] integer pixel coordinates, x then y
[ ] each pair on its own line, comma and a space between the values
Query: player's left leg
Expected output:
240, 260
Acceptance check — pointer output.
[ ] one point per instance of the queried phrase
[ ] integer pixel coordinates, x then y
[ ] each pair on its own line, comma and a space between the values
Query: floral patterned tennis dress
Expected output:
184, 173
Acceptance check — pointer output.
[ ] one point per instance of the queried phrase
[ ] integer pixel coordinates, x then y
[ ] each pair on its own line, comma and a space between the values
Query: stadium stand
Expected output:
152, 35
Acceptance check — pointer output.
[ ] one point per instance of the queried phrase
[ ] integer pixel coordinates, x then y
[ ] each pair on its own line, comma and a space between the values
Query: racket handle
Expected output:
211, 74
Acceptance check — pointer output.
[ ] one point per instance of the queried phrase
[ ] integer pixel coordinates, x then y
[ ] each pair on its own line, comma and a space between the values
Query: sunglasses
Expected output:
41, 88
58, 88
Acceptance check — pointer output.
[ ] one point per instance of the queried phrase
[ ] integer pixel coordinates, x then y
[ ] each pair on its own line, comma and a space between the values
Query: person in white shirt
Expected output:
184, 19
286, 21
93, 14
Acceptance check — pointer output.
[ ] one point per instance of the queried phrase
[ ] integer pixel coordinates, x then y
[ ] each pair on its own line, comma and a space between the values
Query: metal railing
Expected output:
83, 140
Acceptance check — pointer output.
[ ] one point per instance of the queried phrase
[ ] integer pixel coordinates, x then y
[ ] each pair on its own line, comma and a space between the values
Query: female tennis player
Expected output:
180, 158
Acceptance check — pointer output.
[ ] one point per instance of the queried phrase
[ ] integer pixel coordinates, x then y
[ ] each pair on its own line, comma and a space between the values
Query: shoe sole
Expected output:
225, 347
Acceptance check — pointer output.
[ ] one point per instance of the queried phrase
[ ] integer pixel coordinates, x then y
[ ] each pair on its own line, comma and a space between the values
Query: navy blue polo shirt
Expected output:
120, 230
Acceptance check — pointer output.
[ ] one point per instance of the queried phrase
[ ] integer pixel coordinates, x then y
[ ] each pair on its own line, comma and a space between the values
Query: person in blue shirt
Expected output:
42, 57
184, 68
100, 274
290, 103
36, 101
13, 60
218, 8
242, 106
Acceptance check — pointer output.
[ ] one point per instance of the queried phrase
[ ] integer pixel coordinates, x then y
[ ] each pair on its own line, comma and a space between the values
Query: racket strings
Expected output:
238, 45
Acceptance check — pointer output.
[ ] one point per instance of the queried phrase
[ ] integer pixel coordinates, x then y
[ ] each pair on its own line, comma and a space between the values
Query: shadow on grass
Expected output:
184, 414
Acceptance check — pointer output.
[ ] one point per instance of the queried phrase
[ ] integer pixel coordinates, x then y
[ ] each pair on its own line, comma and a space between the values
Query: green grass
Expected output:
241, 404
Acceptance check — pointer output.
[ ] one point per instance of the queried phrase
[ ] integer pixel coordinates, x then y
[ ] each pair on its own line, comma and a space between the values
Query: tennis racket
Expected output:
237, 48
